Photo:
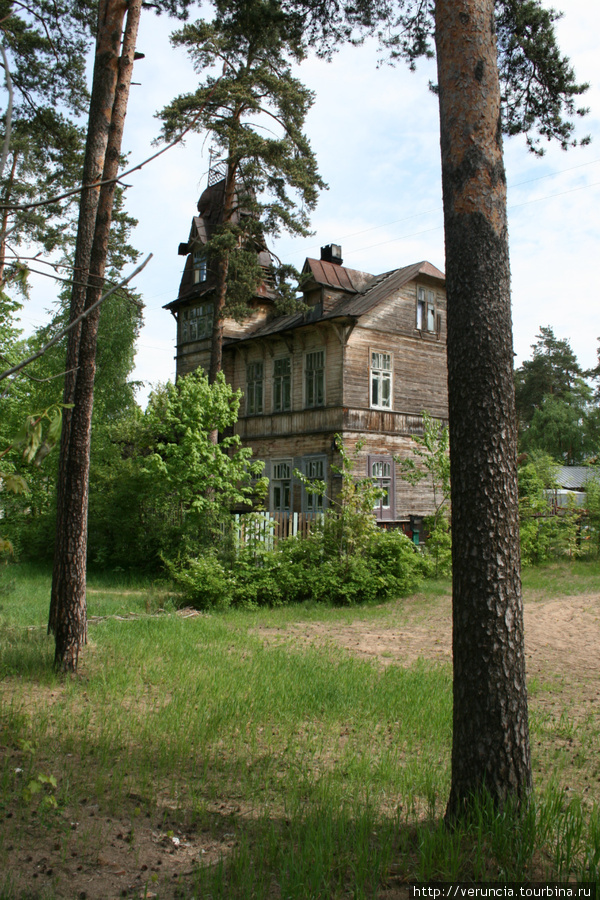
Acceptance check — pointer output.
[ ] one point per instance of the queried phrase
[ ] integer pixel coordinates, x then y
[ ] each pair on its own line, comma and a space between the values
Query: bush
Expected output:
299, 569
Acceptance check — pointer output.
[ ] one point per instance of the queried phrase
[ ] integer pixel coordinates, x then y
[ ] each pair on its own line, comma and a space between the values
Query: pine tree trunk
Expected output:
68, 614
111, 14
490, 750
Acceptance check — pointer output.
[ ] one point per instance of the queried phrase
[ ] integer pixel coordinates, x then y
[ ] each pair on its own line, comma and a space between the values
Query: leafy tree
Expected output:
160, 484
270, 179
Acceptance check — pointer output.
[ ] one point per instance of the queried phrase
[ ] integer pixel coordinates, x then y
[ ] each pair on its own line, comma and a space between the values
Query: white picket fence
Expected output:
268, 528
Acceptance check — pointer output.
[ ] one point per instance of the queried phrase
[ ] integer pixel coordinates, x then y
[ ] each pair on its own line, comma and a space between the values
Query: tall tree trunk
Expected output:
68, 614
111, 14
490, 750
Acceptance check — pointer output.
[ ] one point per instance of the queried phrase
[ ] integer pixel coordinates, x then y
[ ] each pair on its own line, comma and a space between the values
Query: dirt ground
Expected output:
149, 857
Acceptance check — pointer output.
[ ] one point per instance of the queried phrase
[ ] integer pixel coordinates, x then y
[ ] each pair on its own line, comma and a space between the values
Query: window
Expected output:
199, 265
381, 470
196, 322
315, 470
281, 485
381, 380
314, 378
282, 384
254, 388
426, 320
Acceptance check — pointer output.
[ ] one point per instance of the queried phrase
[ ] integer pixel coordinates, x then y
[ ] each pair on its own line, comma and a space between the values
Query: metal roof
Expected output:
575, 478
378, 289
336, 276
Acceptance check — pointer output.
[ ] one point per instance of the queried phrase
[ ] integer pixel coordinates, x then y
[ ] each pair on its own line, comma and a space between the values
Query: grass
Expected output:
315, 774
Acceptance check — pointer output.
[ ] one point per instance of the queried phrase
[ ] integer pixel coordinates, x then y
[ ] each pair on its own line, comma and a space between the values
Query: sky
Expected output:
375, 131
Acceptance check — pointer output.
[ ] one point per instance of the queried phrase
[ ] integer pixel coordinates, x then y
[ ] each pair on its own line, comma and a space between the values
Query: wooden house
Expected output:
363, 361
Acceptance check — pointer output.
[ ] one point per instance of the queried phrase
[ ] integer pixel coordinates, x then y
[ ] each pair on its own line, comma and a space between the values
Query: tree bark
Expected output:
68, 612
490, 750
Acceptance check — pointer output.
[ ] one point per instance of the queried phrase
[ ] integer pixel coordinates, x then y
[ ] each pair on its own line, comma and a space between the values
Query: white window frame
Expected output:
255, 387
379, 376
382, 471
282, 485
308, 388
280, 380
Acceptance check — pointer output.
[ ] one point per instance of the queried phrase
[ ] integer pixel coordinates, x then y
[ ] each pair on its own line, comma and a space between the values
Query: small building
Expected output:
363, 361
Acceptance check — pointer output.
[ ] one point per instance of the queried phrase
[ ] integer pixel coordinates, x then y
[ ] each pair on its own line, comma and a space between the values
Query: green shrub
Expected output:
298, 570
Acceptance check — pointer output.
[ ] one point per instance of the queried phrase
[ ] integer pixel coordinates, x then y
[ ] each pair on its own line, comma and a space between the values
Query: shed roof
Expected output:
575, 478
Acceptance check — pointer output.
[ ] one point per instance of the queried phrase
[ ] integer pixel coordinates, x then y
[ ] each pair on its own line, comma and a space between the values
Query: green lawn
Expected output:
302, 770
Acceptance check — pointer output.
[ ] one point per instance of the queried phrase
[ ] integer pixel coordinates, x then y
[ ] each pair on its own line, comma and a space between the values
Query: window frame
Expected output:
191, 316
255, 388
308, 388
282, 482
377, 375
383, 513
427, 315
281, 380
199, 266
311, 502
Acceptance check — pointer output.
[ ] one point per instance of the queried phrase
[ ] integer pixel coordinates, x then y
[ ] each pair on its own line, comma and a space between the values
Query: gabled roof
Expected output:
382, 286
359, 302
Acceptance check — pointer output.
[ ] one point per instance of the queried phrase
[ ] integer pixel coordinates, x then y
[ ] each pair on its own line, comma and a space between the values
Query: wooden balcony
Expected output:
332, 419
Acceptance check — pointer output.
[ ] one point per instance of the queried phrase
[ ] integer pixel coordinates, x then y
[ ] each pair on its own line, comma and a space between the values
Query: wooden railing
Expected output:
329, 419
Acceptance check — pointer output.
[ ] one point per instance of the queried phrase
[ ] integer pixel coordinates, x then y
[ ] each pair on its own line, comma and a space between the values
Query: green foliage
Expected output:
544, 534
555, 403
159, 485
254, 109
346, 559
592, 503
539, 89
431, 462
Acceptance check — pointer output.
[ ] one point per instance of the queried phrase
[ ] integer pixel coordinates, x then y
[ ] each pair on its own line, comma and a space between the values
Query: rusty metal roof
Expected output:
339, 277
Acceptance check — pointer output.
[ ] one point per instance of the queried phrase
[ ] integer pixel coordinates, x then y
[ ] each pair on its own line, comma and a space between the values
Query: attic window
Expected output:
426, 318
199, 264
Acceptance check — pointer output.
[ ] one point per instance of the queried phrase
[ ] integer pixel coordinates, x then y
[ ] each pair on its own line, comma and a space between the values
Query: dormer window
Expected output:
426, 318
199, 265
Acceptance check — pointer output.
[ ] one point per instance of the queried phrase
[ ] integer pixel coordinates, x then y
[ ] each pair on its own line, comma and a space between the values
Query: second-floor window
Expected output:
381, 379
314, 378
254, 388
196, 322
282, 385
199, 265
426, 319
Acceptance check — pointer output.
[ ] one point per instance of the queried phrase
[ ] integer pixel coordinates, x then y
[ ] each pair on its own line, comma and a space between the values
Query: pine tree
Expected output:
499, 69
270, 180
